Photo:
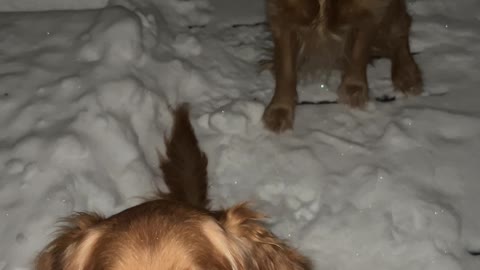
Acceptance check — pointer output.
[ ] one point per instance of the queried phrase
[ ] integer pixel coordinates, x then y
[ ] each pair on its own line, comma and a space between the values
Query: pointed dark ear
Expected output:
74, 244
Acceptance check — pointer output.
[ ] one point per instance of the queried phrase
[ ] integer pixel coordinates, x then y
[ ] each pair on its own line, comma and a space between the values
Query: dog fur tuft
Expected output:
185, 165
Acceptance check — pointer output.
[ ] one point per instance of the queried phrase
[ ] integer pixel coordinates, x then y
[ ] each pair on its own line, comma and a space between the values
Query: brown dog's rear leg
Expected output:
279, 114
406, 75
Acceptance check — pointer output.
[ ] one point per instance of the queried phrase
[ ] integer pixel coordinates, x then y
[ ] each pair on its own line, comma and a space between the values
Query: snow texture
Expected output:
85, 90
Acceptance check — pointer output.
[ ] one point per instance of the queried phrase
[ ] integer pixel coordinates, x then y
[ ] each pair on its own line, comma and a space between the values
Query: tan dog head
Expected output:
169, 235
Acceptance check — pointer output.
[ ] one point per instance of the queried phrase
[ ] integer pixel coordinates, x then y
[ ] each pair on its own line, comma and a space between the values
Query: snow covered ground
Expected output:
84, 99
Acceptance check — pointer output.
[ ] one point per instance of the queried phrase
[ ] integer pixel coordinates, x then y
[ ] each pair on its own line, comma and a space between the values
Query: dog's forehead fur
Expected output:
170, 237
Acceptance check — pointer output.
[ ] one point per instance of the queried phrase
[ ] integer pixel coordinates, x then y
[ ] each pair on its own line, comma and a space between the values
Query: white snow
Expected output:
84, 105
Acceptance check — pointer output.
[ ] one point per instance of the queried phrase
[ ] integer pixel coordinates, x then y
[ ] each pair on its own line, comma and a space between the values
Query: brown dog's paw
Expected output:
408, 80
353, 93
278, 117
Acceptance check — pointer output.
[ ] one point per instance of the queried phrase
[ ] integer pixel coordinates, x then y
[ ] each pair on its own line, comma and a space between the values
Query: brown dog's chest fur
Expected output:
325, 28
321, 51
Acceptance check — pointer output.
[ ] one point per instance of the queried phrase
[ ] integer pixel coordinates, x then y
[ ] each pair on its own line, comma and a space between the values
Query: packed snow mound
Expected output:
44, 5
115, 37
463, 10
76, 126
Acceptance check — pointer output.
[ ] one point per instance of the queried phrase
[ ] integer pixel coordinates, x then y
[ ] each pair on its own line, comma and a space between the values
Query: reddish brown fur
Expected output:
173, 233
185, 169
340, 33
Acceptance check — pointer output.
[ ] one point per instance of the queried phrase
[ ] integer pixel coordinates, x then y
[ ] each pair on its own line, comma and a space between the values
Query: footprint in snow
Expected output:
234, 118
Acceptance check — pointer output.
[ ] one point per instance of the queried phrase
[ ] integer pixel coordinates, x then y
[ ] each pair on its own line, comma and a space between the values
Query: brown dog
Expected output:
344, 34
172, 232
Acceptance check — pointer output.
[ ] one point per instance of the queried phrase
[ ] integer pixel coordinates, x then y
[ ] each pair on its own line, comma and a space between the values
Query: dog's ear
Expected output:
265, 249
74, 244
233, 254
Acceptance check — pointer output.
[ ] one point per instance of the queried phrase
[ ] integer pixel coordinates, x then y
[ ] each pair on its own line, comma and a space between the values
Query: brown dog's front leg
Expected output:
353, 89
279, 114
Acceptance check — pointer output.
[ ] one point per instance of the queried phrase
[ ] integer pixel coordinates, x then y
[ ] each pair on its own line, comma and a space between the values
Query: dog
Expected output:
175, 230
339, 34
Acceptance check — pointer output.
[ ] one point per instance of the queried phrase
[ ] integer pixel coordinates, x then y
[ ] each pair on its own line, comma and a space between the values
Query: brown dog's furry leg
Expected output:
279, 114
287, 20
406, 74
353, 89
185, 166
